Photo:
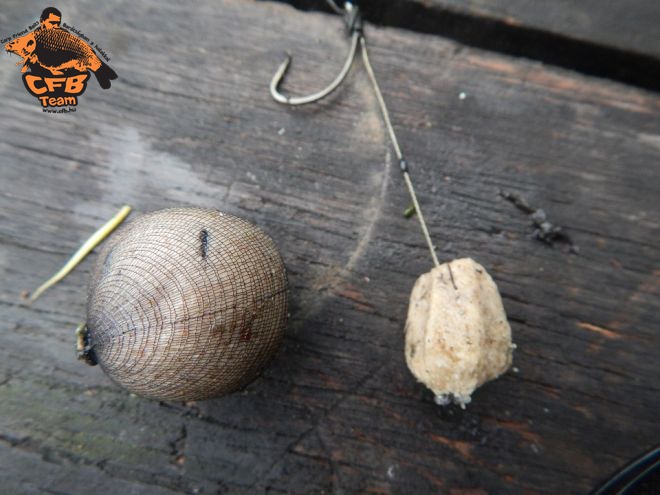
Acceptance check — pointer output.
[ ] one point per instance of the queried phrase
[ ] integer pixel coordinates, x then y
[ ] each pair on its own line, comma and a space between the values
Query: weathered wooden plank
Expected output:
613, 40
629, 26
190, 122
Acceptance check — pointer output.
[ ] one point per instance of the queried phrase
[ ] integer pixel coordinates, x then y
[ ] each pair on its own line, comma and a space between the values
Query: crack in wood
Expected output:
509, 38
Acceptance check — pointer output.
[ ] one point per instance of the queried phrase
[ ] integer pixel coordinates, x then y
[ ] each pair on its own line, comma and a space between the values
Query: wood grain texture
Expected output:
629, 26
190, 122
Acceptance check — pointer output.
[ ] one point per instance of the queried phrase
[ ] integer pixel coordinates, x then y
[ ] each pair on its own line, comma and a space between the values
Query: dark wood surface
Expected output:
630, 26
613, 40
190, 122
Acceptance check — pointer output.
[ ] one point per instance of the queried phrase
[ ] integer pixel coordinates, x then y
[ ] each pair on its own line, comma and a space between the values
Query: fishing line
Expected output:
395, 144
353, 21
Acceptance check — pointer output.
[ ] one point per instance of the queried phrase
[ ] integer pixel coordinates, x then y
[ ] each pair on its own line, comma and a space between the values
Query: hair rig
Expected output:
457, 333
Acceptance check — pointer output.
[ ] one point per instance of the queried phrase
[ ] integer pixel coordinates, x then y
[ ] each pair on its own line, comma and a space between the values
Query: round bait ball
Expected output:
186, 304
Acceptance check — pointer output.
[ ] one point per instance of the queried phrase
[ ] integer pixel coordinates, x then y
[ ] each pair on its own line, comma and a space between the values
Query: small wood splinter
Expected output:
83, 251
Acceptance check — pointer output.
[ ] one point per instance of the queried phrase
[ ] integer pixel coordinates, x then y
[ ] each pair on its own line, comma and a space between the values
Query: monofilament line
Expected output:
397, 149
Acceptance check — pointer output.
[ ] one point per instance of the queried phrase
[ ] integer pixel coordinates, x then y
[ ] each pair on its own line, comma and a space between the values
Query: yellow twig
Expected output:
83, 251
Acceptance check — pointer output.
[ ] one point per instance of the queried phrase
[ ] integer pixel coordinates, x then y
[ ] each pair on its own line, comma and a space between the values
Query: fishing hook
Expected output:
354, 23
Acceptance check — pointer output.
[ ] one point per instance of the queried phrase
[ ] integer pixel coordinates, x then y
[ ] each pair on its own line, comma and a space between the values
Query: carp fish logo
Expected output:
57, 63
